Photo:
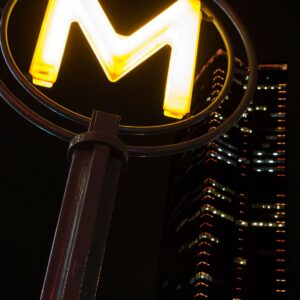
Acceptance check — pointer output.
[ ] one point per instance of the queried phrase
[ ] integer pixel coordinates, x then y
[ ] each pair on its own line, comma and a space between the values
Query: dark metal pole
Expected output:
78, 249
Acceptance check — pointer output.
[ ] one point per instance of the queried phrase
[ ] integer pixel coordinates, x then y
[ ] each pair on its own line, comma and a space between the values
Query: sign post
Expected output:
79, 244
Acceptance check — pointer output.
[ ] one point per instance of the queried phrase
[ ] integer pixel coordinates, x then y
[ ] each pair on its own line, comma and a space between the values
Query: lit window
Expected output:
246, 129
240, 261
242, 223
260, 108
201, 276
200, 295
268, 224
281, 280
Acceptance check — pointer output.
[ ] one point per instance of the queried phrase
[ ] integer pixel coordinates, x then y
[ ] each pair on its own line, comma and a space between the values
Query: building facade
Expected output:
225, 232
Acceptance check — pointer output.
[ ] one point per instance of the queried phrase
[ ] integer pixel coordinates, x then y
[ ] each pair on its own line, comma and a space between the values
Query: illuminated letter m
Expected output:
178, 26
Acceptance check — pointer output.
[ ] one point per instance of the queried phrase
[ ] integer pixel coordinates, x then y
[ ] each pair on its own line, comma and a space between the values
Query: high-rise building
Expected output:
225, 232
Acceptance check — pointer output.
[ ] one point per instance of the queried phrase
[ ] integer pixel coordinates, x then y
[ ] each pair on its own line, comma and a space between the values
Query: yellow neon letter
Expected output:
178, 26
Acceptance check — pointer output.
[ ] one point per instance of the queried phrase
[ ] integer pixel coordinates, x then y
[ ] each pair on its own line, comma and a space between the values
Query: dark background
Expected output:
34, 167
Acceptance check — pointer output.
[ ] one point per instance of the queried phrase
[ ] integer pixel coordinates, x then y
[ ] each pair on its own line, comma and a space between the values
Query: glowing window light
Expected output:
240, 260
202, 283
200, 295
178, 26
280, 280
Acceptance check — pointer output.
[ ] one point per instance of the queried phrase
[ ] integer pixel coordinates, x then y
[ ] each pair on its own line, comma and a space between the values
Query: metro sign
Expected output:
178, 26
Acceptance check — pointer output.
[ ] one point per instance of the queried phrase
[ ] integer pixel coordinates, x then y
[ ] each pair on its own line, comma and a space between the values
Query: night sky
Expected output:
34, 166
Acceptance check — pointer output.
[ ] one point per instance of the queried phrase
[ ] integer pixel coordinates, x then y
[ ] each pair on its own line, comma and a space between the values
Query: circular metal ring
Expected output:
125, 129
232, 119
165, 128
31, 116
